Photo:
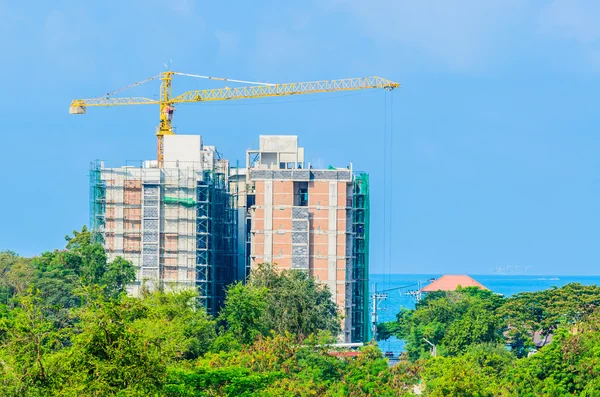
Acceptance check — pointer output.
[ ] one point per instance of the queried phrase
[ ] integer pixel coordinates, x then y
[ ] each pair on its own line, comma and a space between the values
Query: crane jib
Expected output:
256, 90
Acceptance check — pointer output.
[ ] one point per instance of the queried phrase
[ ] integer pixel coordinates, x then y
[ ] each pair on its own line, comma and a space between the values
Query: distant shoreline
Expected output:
488, 274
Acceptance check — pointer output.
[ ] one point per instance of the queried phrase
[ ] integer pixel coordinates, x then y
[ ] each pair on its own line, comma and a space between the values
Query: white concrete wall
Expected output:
278, 143
269, 160
183, 149
279, 148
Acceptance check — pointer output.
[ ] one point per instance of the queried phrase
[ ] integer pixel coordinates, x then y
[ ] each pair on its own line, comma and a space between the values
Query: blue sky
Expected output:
495, 129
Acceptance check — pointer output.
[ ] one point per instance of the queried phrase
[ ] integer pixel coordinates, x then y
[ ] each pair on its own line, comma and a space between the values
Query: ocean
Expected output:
503, 284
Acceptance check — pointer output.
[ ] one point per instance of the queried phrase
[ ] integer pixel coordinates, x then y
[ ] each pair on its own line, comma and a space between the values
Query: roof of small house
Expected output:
540, 340
450, 282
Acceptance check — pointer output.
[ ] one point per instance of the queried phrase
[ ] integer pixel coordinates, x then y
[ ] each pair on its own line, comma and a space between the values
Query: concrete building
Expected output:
175, 224
199, 223
303, 218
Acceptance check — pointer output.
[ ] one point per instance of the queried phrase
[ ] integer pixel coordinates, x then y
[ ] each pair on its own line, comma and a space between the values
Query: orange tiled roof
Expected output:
451, 282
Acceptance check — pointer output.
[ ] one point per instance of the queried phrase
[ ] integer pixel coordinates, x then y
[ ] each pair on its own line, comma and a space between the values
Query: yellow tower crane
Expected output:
167, 101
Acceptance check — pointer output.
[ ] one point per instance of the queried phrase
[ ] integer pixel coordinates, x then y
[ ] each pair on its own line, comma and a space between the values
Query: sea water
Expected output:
506, 285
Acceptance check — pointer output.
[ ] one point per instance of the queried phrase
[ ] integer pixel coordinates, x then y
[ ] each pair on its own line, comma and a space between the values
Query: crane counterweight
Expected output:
76, 109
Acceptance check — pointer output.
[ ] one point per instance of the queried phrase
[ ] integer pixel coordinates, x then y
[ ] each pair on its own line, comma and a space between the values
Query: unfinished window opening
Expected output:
301, 194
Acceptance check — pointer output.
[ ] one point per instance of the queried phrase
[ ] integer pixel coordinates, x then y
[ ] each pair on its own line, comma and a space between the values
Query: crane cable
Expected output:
222, 79
385, 196
108, 94
391, 175
388, 157
132, 85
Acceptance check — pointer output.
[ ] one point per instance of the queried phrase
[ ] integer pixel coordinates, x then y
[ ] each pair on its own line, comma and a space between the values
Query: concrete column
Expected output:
332, 240
269, 221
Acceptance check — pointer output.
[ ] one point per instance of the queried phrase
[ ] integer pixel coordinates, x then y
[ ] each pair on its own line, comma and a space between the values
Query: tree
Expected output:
176, 322
569, 366
295, 302
16, 274
477, 325
455, 377
30, 338
85, 256
244, 312
68, 329
544, 311
118, 274
126, 345
287, 301
108, 356
59, 273
451, 320
278, 366
480, 371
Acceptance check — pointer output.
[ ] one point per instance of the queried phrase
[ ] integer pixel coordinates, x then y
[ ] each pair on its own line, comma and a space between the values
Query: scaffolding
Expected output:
216, 232
238, 189
97, 201
178, 245
360, 254
175, 224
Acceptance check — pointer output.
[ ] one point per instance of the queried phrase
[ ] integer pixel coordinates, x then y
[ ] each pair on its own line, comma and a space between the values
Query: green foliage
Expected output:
29, 340
295, 302
127, 344
288, 301
116, 276
58, 274
455, 320
116, 345
544, 311
109, 354
477, 325
67, 328
85, 257
569, 366
278, 366
456, 377
176, 322
471, 329
244, 311
452, 321
16, 274
480, 371
494, 360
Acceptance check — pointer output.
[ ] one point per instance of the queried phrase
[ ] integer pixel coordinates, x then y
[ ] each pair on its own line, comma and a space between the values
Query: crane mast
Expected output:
166, 114
167, 101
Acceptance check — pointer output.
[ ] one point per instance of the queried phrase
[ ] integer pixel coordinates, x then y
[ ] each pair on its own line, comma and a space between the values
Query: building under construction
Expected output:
186, 220
198, 223
299, 217
175, 223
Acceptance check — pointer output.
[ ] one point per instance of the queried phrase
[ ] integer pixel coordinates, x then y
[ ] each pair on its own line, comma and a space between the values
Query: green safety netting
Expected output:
187, 202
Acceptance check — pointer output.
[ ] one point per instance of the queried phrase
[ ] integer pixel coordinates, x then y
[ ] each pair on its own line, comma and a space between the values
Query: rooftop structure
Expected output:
540, 339
450, 282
